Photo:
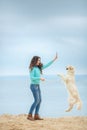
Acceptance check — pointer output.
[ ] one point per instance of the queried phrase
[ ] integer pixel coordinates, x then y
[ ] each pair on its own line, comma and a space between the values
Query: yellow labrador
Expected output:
69, 80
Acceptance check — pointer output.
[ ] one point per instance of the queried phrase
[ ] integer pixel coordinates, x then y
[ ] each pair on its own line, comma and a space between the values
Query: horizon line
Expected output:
28, 74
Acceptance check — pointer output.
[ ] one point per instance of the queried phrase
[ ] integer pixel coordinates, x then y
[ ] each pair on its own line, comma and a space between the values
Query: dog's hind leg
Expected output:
79, 105
70, 100
70, 108
78, 102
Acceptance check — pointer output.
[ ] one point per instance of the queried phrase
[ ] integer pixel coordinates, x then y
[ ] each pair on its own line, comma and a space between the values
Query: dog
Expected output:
69, 80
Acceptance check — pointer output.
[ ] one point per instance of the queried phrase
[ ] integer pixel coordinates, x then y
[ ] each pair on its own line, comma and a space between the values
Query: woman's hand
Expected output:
55, 57
42, 79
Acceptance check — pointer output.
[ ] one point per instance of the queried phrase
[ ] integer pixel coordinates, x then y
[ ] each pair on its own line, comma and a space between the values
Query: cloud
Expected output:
27, 31
55, 23
68, 22
15, 23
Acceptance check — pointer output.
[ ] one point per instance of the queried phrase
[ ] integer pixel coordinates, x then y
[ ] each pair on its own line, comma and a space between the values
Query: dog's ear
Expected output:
70, 68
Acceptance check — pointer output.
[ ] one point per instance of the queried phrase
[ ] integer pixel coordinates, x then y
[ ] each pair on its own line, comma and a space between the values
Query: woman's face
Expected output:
39, 61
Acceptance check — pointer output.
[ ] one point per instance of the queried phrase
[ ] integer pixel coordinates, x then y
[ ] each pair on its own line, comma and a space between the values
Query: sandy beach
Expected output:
19, 122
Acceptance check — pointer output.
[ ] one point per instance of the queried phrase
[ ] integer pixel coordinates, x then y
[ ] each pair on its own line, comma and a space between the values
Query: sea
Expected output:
16, 96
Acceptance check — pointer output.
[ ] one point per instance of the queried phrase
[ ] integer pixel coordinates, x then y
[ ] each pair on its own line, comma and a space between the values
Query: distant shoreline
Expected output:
44, 75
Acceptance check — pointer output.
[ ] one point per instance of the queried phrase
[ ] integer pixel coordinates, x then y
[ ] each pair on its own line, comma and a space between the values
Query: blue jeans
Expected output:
35, 88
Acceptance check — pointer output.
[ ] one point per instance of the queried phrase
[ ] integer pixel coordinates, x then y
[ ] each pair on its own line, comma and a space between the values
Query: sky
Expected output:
43, 27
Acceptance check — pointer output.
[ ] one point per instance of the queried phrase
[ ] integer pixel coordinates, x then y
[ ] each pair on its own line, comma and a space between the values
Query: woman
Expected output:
36, 68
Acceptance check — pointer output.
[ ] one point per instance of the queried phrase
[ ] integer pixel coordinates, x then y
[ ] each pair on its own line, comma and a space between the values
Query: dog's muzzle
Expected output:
66, 68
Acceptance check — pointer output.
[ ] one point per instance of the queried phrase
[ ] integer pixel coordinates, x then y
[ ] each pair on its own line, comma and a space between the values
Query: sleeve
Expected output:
33, 75
47, 65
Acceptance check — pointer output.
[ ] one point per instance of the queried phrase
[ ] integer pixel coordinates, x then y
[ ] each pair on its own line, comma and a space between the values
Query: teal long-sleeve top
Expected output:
35, 73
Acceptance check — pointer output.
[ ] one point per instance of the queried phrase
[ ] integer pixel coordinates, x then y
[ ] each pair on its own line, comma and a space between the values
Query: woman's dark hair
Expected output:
33, 63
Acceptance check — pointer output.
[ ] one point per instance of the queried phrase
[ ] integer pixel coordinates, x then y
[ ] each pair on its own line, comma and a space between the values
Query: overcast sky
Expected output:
43, 27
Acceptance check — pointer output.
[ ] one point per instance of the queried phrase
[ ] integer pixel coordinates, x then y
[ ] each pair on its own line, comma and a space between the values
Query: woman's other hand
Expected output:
42, 79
